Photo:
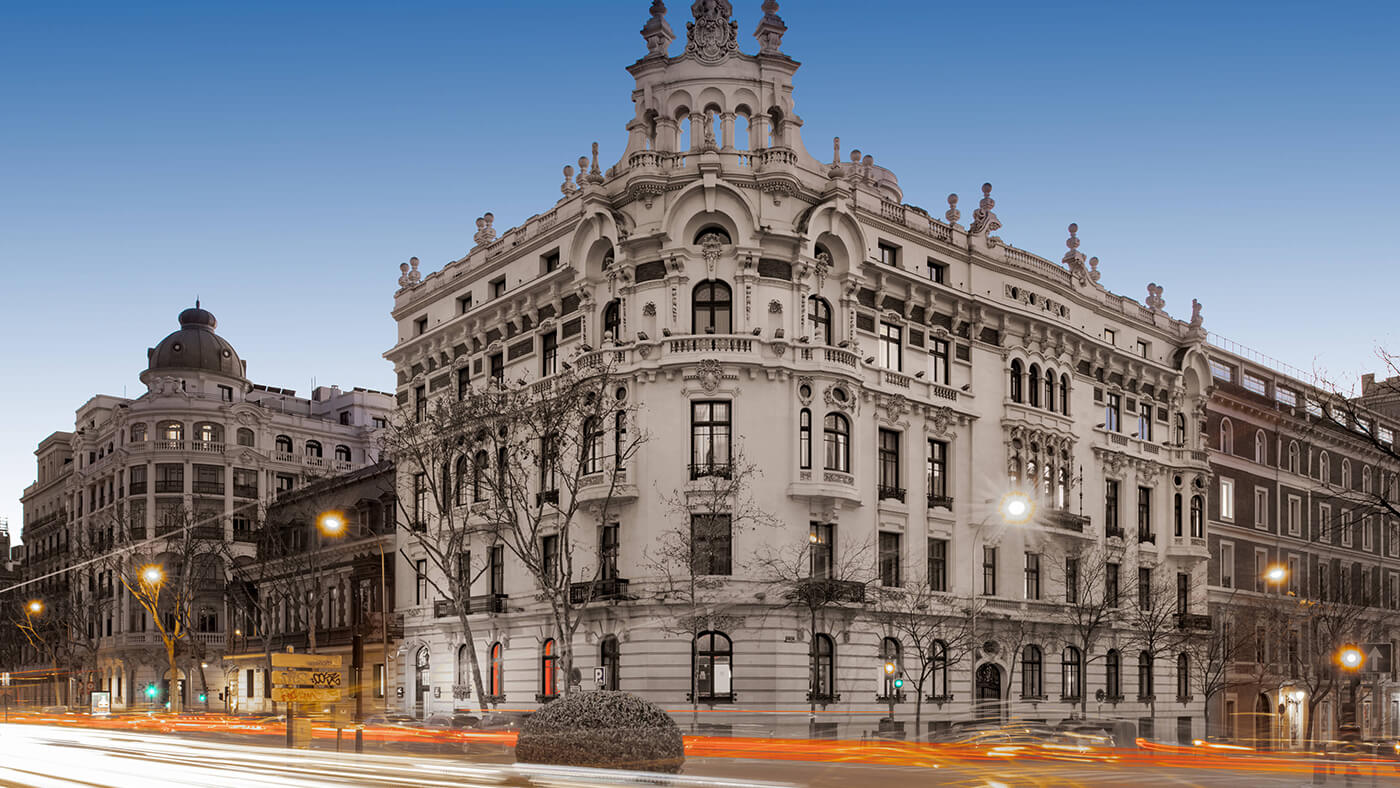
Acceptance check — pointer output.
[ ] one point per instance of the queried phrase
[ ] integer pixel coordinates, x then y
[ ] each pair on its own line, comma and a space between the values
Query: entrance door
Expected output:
420, 684
988, 692
1263, 717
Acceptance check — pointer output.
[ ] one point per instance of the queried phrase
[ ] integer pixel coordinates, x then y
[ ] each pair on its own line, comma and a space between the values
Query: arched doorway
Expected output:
988, 692
1263, 719
420, 683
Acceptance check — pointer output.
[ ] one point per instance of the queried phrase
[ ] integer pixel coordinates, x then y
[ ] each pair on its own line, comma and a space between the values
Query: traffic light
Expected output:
899, 683
203, 697
889, 668
150, 690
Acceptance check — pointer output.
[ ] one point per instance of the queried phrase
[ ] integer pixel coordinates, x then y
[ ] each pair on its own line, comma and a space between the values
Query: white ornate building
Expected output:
205, 440
894, 374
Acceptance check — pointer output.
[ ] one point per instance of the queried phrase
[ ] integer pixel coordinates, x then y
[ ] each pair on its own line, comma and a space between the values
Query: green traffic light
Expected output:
899, 683
150, 690
202, 697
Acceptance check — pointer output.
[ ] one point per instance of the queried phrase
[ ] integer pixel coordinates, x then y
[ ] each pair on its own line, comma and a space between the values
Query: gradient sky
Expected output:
280, 159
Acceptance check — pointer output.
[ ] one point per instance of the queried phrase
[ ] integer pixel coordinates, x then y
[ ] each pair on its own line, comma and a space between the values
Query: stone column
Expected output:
668, 135
697, 131
758, 132
726, 126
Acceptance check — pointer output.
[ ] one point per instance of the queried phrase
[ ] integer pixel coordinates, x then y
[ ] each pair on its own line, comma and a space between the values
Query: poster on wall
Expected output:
101, 703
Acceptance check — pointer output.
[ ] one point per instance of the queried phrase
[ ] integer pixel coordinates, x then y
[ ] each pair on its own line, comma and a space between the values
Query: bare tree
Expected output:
526, 467
934, 630
1090, 607
693, 559
1155, 627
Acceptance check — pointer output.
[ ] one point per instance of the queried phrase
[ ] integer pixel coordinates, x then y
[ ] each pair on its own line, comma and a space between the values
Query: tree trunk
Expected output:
203, 684
471, 658
174, 691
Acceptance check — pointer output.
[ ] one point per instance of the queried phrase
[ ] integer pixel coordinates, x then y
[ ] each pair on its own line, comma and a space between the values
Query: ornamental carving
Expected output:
890, 407
843, 401
940, 420
649, 309
711, 244
709, 372
806, 381
775, 307
712, 37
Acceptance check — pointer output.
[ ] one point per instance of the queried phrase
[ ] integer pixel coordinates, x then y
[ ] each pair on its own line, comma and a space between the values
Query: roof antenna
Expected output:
196, 301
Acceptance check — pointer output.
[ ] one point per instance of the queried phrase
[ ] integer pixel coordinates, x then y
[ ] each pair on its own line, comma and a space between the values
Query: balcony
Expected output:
211, 532
207, 447
284, 456
821, 591
442, 608
701, 470
1068, 521
547, 497
887, 492
170, 485
168, 445
138, 488
940, 502
245, 490
1193, 621
611, 588
1146, 536
1113, 533
823, 697
487, 603
207, 488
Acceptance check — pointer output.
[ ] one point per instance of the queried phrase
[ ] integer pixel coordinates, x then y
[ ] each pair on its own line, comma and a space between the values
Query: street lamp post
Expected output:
32, 608
1015, 508
332, 523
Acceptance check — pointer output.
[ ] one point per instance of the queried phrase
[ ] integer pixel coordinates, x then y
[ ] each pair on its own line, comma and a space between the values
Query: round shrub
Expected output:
605, 729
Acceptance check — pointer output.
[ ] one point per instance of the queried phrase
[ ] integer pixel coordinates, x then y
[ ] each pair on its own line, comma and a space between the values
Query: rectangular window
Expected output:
1294, 575
420, 326
1346, 527
823, 540
285, 483
1367, 538
463, 384
1110, 336
1261, 569
1032, 575
938, 564
1144, 425
889, 465
1144, 348
889, 254
549, 557
498, 288
1295, 515
891, 347
1255, 384
551, 261
1110, 583
1144, 588
1183, 592
1072, 580
1221, 370
549, 353
497, 569
890, 562
1285, 396
226, 393
1227, 499
170, 478
937, 271
420, 403
420, 501
937, 480
1110, 508
989, 570
498, 368
608, 548
1227, 565
1113, 413
710, 429
1144, 514
379, 680
464, 304
1324, 523
711, 544
938, 361
420, 586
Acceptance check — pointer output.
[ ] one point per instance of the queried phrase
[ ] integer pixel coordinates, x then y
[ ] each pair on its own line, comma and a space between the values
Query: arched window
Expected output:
820, 315
938, 665
138, 433
208, 620
1198, 517
549, 678
459, 492
1346, 474
422, 675
1071, 671
804, 439
836, 431
342, 452
245, 437
464, 666
172, 431
208, 432
481, 467
1181, 429
823, 667
313, 448
1177, 524
496, 682
1064, 393
1293, 457
711, 305
1032, 672
1016, 375
1261, 448
1183, 676
1033, 386
1050, 390
712, 663
891, 654
1324, 468
1366, 479
1227, 437
612, 318
283, 444
1145, 674
712, 229
592, 445
1113, 674
609, 658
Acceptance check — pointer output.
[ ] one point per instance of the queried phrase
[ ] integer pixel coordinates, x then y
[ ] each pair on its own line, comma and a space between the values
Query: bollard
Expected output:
359, 740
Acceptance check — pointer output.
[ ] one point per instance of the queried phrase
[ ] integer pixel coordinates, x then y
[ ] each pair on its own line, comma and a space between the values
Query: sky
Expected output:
280, 159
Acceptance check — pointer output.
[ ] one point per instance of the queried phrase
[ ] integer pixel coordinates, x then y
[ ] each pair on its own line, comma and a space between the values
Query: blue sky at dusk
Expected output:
280, 159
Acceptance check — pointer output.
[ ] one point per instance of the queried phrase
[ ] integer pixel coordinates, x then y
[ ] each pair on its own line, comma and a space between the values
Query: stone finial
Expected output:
656, 32
595, 175
485, 233
582, 170
568, 186
1195, 313
1094, 269
983, 219
855, 155
713, 36
770, 29
835, 150
403, 275
953, 214
1073, 259
407, 277
1154, 297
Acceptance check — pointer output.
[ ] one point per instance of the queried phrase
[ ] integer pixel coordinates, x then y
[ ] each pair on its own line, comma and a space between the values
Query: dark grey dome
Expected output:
195, 346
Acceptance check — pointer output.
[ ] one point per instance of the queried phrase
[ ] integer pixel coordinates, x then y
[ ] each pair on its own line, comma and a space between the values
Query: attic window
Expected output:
713, 229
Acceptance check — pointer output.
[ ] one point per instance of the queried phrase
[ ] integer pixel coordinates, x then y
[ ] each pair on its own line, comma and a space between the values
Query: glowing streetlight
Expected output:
1298, 695
889, 668
1276, 574
152, 575
1016, 508
35, 607
331, 523
1351, 658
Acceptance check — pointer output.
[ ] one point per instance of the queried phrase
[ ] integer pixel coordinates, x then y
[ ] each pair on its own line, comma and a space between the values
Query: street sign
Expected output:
326, 679
101, 703
306, 661
4, 679
1378, 657
304, 695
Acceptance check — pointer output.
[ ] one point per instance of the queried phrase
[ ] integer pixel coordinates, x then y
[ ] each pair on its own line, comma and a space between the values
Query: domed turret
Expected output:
194, 347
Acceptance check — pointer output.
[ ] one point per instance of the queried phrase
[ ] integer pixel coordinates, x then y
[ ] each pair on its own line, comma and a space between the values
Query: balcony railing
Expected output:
211, 447
169, 445
1113, 533
442, 608
820, 591
897, 493
547, 496
170, 485
1147, 536
823, 697
1069, 521
1193, 621
138, 488
940, 502
611, 588
245, 490
703, 469
487, 603
208, 488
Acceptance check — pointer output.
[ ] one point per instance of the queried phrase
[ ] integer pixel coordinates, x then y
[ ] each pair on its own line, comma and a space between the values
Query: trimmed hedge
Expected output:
605, 729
